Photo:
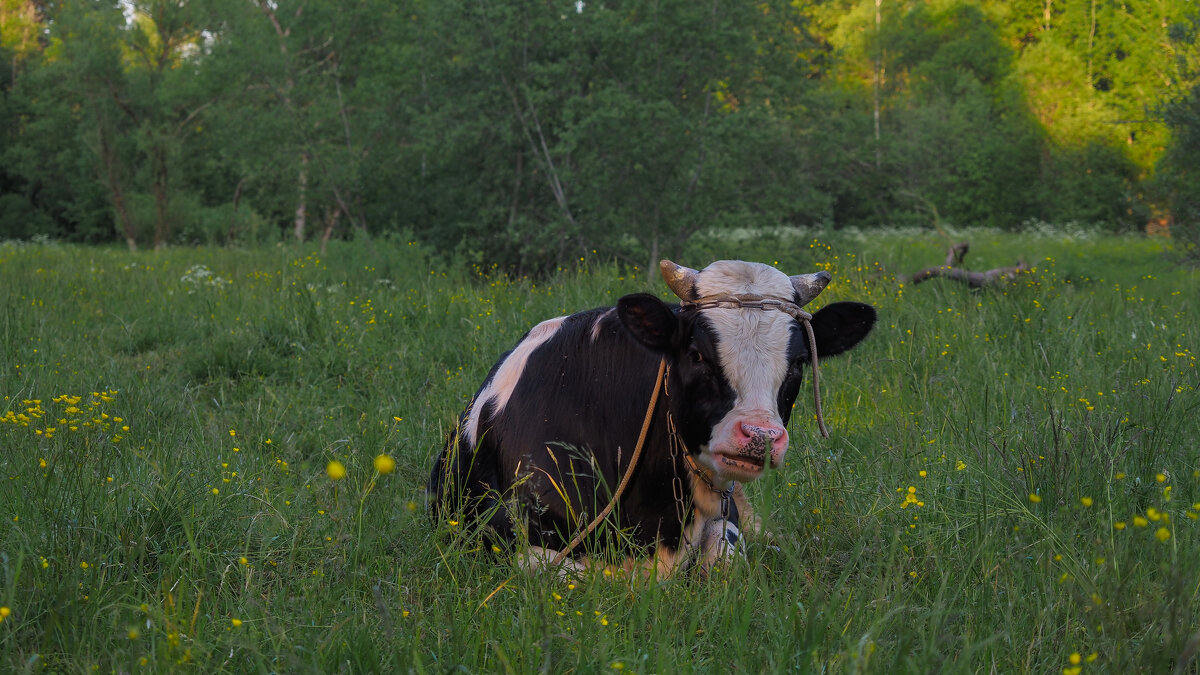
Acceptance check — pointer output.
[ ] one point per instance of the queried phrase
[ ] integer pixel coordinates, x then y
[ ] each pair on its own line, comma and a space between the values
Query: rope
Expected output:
753, 301
812, 348
637, 453
726, 301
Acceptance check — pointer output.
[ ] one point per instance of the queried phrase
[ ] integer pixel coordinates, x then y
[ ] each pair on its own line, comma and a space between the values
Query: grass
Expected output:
1013, 481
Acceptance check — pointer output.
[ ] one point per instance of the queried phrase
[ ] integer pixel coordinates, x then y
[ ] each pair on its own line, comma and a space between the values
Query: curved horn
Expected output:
809, 286
681, 280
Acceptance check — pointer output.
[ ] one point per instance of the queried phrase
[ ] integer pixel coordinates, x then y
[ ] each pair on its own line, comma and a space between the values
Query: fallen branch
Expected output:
951, 270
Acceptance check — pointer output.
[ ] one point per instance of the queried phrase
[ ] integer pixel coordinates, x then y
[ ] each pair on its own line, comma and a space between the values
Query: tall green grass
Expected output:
1013, 476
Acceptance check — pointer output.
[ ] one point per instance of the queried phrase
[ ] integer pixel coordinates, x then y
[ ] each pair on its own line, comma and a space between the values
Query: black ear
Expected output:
649, 320
841, 325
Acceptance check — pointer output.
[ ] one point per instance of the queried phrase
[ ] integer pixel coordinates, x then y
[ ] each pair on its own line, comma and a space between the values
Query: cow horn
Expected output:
809, 286
681, 280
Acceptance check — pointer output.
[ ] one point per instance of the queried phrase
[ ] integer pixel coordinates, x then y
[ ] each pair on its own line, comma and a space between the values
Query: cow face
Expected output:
736, 371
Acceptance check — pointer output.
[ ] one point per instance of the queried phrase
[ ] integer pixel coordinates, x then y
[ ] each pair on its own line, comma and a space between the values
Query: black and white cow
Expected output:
550, 433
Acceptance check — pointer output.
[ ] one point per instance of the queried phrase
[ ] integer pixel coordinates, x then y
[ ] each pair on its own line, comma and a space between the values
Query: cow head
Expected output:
736, 371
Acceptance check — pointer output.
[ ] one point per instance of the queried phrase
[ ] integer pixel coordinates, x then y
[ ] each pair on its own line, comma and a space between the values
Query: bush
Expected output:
19, 219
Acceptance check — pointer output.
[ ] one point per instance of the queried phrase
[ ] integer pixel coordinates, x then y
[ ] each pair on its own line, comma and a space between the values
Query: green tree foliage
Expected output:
532, 133
1178, 180
558, 128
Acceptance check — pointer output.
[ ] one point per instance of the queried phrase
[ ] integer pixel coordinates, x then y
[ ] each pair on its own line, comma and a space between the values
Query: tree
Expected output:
1178, 181
557, 128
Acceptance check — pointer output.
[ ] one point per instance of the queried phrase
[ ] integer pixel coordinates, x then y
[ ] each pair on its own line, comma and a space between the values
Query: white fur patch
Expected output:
721, 543
501, 387
537, 558
752, 345
597, 327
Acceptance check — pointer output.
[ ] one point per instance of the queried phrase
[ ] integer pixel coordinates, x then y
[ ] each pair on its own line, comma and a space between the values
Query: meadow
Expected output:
1012, 483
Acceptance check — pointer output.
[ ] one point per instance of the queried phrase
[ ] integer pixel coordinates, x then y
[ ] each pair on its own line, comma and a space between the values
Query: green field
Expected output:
1012, 483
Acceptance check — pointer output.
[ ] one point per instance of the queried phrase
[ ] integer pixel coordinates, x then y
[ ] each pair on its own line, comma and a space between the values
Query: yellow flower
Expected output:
1139, 521
1119, 525
133, 634
1160, 477
960, 465
83, 564
384, 464
215, 491
336, 470
243, 560
1074, 658
4, 612
1035, 498
1073, 670
1086, 501
1153, 514
1162, 534
236, 622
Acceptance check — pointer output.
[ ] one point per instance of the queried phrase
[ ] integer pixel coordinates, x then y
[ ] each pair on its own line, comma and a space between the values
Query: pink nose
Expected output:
757, 437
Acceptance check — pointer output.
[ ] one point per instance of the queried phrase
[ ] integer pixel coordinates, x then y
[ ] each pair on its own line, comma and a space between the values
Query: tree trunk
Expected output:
331, 220
878, 80
301, 211
160, 197
233, 216
116, 191
516, 191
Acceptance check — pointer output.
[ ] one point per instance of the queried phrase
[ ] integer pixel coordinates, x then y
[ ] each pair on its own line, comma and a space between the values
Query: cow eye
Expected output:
695, 355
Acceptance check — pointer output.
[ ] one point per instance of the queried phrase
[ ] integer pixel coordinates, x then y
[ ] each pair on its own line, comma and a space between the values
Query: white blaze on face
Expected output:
753, 347
504, 382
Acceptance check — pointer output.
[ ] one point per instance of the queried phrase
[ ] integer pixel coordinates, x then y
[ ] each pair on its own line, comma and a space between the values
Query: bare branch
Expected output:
951, 270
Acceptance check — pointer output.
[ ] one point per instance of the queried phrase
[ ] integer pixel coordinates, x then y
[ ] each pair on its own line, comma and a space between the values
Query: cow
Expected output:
545, 441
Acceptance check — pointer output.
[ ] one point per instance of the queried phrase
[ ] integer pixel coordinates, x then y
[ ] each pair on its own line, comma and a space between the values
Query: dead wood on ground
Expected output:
951, 270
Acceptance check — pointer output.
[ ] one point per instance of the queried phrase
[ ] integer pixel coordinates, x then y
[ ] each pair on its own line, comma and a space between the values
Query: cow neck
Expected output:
678, 447
769, 303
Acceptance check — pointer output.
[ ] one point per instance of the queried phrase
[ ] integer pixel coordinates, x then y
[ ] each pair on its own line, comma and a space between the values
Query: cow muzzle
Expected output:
752, 445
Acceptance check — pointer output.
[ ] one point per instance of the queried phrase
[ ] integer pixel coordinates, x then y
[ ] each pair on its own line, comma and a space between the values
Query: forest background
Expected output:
530, 133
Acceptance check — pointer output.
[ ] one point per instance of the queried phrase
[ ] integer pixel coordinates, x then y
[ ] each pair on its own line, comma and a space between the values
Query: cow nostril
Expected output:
771, 433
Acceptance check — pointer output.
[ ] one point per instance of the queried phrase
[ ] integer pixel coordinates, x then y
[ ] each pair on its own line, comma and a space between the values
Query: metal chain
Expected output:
673, 442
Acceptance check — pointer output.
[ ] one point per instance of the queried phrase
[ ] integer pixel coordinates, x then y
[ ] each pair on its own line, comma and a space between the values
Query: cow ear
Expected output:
841, 325
648, 319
